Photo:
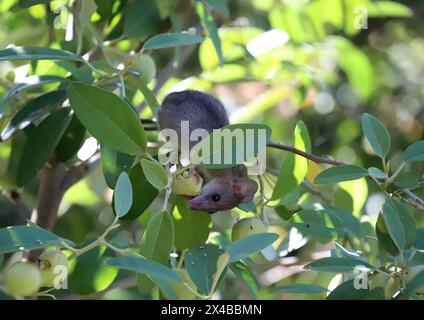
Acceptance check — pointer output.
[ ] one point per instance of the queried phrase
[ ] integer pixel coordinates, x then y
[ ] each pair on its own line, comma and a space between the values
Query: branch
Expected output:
414, 199
304, 154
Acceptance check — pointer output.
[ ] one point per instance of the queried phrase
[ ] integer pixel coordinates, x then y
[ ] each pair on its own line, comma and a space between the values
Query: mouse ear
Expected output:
244, 188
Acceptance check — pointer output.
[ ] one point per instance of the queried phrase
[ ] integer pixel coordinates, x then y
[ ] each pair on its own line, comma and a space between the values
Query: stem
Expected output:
168, 191
181, 259
304, 154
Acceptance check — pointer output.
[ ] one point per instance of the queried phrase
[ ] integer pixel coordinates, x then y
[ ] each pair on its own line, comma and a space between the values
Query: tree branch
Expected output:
304, 154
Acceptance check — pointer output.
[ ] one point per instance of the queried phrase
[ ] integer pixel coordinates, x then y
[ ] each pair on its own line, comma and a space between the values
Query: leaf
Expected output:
149, 97
30, 3
191, 227
71, 141
377, 173
376, 134
156, 244
419, 241
166, 40
218, 5
139, 264
209, 24
34, 110
37, 53
201, 264
33, 82
384, 238
113, 163
340, 173
90, 272
415, 152
294, 167
142, 19
29, 237
400, 223
319, 223
338, 265
154, 173
347, 291
388, 9
414, 285
231, 145
123, 195
244, 247
407, 180
108, 118
88, 8
242, 271
298, 288
143, 193
41, 143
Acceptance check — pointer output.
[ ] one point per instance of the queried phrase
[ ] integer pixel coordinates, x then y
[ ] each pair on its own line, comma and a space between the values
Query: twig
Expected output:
416, 201
304, 154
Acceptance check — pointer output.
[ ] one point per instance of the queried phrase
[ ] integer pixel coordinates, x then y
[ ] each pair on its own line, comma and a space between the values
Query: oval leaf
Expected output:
108, 118
37, 53
154, 173
338, 265
298, 288
376, 134
340, 173
166, 40
244, 247
415, 152
123, 195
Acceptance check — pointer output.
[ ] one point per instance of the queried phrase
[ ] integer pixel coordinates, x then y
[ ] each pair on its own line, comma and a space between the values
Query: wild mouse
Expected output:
223, 189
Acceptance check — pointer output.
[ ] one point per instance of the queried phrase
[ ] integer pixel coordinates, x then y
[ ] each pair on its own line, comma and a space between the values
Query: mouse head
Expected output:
224, 194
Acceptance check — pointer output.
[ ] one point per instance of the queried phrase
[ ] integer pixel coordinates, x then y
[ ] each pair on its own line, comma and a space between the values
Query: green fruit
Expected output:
188, 184
49, 260
180, 289
147, 67
22, 279
247, 227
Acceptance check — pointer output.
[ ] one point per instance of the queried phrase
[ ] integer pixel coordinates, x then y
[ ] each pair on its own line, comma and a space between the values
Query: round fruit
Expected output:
49, 260
188, 184
147, 67
22, 279
180, 289
247, 227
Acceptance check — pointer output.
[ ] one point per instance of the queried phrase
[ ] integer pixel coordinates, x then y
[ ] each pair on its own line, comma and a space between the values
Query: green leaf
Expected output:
294, 167
27, 237
30, 3
191, 227
88, 8
123, 195
41, 143
156, 244
384, 238
218, 5
142, 19
149, 97
108, 118
376, 134
166, 40
338, 265
388, 9
201, 264
400, 223
407, 180
347, 291
318, 223
139, 264
209, 24
244, 247
154, 173
90, 273
340, 173
415, 152
37, 53
229, 146
298, 288
414, 285
242, 271
419, 241
113, 163
143, 193
34, 110
71, 141
33, 82
377, 173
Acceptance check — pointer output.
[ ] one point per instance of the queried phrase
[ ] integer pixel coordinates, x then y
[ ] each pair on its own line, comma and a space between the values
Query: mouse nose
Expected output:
195, 203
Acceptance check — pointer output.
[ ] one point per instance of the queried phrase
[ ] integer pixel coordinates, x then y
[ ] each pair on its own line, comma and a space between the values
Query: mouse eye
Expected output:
216, 197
